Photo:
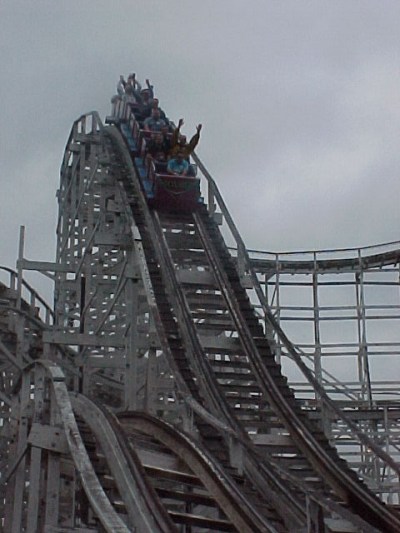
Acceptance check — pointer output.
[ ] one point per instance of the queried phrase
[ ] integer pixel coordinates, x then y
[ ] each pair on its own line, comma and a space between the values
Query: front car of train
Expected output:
164, 191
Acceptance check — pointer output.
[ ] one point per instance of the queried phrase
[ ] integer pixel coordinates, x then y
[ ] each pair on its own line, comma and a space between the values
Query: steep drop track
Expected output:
237, 379
253, 462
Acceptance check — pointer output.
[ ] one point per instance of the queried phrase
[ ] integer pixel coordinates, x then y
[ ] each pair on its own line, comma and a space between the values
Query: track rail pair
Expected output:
320, 464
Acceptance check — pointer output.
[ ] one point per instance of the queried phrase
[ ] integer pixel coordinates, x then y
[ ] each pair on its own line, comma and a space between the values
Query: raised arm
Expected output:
150, 88
176, 133
121, 86
194, 141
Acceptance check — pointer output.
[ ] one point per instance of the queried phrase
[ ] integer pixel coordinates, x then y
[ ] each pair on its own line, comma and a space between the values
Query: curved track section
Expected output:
136, 473
166, 479
47, 453
391, 257
185, 358
108, 443
260, 396
249, 460
207, 484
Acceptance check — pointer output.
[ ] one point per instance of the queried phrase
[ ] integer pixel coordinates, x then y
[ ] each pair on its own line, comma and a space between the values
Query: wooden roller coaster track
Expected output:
151, 399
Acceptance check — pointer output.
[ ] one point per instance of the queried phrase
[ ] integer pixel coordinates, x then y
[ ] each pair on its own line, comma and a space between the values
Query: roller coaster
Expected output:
158, 394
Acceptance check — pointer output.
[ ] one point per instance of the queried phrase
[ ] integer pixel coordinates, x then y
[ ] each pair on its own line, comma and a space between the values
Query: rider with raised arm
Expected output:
179, 142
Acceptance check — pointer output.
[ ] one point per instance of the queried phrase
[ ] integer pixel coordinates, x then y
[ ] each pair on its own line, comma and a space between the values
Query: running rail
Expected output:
142, 504
209, 388
244, 517
125, 176
377, 260
188, 386
343, 479
144, 510
245, 264
330, 470
208, 385
317, 456
100, 503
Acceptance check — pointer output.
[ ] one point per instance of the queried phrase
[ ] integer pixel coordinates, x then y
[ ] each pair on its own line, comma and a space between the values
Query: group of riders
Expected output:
164, 144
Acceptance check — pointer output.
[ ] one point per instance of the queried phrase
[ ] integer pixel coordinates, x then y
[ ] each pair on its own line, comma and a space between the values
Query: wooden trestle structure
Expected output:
155, 396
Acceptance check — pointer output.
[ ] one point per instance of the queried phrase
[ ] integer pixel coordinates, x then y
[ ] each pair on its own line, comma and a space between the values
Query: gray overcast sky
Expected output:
299, 102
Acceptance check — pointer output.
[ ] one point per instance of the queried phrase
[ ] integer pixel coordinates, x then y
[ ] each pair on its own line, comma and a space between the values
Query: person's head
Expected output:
160, 156
180, 155
155, 113
158, 137
129, 89
145, 93
155, 102
182, 140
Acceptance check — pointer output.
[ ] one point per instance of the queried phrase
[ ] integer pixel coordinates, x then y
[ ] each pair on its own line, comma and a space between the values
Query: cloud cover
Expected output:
299, 102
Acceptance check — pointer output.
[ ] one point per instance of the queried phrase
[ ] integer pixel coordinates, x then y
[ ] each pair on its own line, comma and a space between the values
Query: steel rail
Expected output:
264, 468
211, 392
131, 192
341, 479
188, 330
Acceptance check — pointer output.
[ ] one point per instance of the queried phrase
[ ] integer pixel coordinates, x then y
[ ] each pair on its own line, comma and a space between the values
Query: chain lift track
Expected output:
152, 315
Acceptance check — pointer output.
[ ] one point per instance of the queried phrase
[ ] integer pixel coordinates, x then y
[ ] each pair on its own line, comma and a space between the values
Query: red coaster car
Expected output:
176, 193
